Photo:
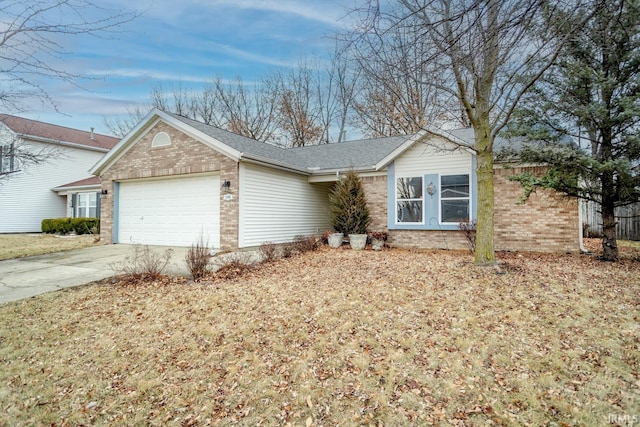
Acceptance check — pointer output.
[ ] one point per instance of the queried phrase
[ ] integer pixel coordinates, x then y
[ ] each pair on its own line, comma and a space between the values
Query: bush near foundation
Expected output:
71, 225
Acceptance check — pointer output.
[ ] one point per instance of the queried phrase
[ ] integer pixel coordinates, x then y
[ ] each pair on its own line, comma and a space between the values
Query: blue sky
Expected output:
188, 42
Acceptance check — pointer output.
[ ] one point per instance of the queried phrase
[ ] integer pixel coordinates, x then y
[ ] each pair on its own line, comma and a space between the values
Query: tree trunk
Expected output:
485, 253
609, 242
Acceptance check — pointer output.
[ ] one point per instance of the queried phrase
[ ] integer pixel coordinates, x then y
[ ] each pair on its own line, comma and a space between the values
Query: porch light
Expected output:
226, 186
104, 192
431, 189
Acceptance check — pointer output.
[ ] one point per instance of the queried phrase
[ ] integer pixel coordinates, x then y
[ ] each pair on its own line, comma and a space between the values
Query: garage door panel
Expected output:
173, 212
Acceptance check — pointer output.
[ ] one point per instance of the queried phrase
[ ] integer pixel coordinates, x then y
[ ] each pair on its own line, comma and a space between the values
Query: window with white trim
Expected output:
409, 200
86, 205
162, 139
454, 198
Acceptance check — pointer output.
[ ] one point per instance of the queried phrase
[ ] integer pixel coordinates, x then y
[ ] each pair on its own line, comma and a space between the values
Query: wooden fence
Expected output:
628, 227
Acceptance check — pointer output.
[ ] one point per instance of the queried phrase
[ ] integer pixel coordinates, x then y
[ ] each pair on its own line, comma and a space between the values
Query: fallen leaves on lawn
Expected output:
334, 337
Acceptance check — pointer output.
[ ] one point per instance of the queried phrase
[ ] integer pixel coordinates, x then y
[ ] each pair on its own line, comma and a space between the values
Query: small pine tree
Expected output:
349, 211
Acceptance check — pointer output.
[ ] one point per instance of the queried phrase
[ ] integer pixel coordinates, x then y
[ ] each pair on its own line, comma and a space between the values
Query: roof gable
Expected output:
361, 155
35, 130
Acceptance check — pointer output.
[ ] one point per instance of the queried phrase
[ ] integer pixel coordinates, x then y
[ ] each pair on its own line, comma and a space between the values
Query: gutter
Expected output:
63, 143
583, 250
77, 187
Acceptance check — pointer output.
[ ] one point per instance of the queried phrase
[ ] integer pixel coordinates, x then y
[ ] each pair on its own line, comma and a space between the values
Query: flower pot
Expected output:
377, 244
357, 241
335, 240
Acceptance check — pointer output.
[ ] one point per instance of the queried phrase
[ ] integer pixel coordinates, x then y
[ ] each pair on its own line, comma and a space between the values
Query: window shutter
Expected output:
98, 205
74, 200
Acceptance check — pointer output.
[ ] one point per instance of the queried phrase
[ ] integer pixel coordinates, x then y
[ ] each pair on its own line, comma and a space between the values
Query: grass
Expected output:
335, 337
21, 245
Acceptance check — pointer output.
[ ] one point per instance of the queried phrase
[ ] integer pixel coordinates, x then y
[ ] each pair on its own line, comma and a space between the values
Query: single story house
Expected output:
30, 193
172, 180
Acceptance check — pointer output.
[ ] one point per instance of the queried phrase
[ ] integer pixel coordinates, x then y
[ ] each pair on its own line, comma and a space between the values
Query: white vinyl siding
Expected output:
422, 159
276, 206
171, 212
446, 194
26, 197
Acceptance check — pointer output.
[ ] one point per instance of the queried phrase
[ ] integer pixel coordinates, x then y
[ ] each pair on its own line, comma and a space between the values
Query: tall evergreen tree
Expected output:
586, 113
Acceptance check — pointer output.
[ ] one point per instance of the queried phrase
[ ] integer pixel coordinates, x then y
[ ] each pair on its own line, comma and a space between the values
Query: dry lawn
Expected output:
21, 245
336, 337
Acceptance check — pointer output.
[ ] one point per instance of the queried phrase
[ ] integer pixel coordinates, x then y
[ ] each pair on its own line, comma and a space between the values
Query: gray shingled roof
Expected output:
344, 155
359, 154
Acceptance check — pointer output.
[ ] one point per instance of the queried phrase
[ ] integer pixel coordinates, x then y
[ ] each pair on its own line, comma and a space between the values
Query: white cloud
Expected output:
146, 74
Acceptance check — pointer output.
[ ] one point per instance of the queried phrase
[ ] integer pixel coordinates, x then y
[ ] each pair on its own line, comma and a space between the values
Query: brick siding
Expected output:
184, 156
548, 222
375, 190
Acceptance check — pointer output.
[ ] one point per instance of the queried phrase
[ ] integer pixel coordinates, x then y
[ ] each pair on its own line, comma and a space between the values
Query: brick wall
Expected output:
548, 222
184, 156
375, 189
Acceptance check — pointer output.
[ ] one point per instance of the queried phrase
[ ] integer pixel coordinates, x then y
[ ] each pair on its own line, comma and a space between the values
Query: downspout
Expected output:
583, 250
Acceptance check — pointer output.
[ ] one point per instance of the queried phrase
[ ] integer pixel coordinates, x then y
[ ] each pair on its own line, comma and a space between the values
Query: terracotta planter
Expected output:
335, 240
358, 241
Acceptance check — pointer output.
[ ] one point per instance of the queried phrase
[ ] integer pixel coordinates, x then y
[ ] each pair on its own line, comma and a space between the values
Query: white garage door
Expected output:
172, 212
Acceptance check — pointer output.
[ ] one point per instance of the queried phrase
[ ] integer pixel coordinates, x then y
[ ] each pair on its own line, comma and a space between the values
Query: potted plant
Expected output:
349, 211
378, 238
332, 238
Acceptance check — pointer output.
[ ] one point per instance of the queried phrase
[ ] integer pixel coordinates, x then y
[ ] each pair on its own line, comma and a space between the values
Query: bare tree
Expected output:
33, 35
491, 52
120, 126
398, 93
298, 107
336, 92
249, 111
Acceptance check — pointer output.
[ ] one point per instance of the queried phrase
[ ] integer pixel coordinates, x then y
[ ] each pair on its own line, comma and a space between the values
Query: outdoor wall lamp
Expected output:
104, 192
431, 189
226, 186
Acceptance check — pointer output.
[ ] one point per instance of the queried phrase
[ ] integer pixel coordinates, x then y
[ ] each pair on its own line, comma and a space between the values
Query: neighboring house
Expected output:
172, 180
30, 193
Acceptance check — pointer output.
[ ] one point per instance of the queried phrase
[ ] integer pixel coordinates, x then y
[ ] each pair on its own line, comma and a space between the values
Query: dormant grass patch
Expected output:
21, 245
335, 337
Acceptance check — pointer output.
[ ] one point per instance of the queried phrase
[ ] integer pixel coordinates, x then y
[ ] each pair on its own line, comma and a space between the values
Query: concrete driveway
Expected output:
26, 277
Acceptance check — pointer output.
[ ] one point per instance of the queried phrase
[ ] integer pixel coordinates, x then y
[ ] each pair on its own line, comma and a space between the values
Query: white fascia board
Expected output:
149, 121
27, 137
459, 142
333, 177
201, 136
76, 188
121, 147
398, 151
422, 136
263, 161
